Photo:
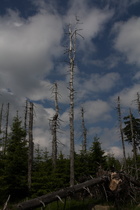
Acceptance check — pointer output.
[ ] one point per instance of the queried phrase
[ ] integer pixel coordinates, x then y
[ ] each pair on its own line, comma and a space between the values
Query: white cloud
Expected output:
127, 39
96, 111
94, 84
98, 82
116, 151
128, 96
93, 21
27, 49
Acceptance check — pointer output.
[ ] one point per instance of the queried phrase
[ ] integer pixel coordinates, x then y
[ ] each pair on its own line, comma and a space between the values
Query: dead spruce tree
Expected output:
138, 102
30, 148
1, 116
26, 116
121, 129
73, 32
133, 143
54, 126
6, 128
84, 133
71, 51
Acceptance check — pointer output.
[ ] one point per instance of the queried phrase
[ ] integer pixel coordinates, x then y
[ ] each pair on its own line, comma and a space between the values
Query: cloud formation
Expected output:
127, 39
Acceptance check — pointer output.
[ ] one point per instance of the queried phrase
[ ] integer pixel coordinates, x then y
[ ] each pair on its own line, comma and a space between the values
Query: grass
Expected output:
70, 205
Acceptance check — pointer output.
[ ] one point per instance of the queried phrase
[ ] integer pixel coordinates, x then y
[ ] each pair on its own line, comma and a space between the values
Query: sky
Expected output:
33, 41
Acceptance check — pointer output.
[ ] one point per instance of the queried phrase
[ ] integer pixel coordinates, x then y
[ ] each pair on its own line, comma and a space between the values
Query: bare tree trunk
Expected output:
84, 144
72, 43
133, 143
30, 149
121, 130
138, 102
6, 128
54, 126
58, 195
1, 115
25, 117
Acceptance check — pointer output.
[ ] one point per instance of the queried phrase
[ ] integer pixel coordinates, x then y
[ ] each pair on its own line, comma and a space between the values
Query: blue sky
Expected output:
32, 39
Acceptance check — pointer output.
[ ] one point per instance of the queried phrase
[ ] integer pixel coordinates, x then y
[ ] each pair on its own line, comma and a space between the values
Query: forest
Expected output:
28, 172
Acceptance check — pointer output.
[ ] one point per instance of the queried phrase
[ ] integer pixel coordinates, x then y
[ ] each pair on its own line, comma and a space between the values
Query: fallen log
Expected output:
54, 196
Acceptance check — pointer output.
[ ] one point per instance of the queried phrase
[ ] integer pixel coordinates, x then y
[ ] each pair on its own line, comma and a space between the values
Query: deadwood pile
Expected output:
116, 186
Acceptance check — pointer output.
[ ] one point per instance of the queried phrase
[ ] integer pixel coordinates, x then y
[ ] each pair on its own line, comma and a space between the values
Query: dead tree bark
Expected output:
138, 102
54, 196
133, 143
6, 128
1, 115
30, 148
72, 40
54, 126
84, 144
25, 117
121, 129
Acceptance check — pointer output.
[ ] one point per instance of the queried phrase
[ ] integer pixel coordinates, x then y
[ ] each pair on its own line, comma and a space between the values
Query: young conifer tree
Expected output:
16, 162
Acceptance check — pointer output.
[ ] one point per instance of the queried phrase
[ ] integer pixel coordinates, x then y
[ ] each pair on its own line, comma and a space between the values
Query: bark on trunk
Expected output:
54, 127
6, 128
1, 116
72, 37
133, 144
54, 196
30, 152
121, 130
84, 144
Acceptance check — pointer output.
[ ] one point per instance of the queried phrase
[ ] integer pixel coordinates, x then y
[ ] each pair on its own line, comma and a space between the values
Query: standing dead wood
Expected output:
72, 51
26, 116
84, 144
30, 148
6, 128
72, 54
54, 196
54, 126
138, 102
133, 143
121, 129
1, 115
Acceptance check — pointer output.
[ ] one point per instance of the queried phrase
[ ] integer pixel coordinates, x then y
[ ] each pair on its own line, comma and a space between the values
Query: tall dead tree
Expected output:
54, 126
138, 102
1, 116
133, 143
121, 129
26, 116
72, 51
84, 143
6, 128
73, 32
30, 148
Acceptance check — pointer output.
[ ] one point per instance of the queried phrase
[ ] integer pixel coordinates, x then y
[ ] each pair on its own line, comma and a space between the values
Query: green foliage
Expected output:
96, 157
45, 179
13, 168
14, 179
111, 161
